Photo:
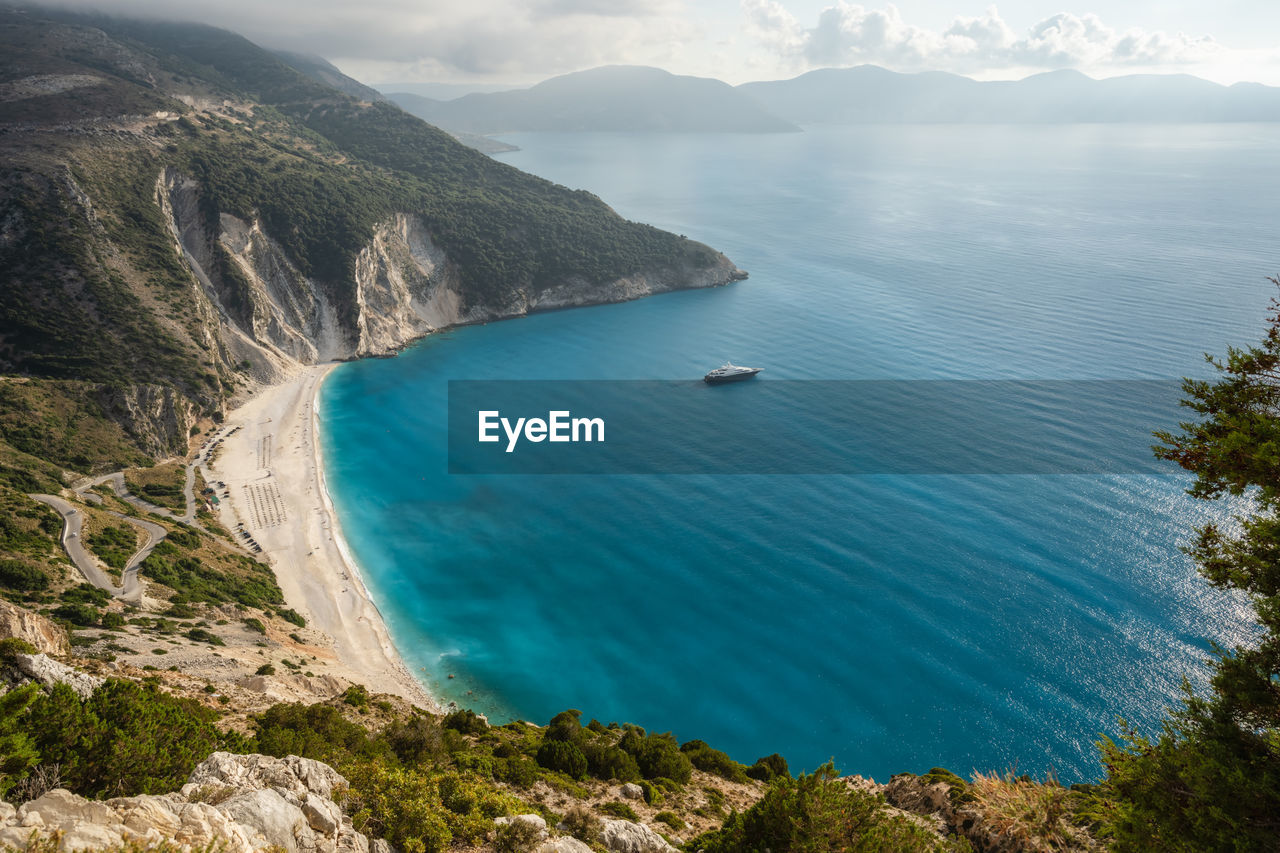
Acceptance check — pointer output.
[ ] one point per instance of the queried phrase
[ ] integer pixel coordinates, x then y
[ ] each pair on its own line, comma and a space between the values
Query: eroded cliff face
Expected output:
274, 317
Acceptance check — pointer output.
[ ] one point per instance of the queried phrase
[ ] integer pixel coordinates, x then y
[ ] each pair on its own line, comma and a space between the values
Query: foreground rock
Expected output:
623, 836
27, 625
49, 672
238, 803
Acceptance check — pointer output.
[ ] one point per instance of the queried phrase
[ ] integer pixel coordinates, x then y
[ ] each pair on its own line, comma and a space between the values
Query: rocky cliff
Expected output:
184, 217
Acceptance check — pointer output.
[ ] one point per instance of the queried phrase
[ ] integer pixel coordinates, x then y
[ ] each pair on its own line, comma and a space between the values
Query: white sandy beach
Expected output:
271, 467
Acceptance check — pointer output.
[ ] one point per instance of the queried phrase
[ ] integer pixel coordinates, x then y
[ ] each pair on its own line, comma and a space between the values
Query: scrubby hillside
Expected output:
185, 215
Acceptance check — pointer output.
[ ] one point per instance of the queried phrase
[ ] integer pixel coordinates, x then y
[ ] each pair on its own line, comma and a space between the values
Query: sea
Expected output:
889, 620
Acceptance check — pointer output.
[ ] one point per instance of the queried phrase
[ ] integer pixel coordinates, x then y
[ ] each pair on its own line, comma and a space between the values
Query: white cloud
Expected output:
504, 39
849, 33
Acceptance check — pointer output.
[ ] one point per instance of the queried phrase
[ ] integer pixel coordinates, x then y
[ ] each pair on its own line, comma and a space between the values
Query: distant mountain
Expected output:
626, 98
868, 94
320, 69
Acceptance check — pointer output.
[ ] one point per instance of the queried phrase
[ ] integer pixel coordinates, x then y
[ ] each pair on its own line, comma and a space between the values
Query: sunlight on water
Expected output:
891, 622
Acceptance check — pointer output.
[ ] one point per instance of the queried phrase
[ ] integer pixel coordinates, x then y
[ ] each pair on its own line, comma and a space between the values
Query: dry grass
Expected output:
1038, 814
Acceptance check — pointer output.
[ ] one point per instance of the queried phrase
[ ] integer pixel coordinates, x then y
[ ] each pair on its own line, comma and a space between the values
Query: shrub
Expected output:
255, 625
583, 824
24, 577
11, 646
566, 727
652, 793
314, 731
609, 762
671, 819
517, 836
616, 809
657, 755
516, 770
769, 767
416, 810
83, 615
703, 757
266, 669
357, 696
415, 740
465, 721
563, 757
112, 621
126, 739
819, 813
202, 635
1037, 814
293, 616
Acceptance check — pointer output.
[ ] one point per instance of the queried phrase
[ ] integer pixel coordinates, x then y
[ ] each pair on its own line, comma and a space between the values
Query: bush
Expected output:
516, 770
820, 813
616, 809
465, 721
583, 824
416, 740
769, 767
671, 819
609, 762
126, 739
314, 731
82, 615
266, 669
652, 794
709, 760
517, 836
292, 616
202, 635
255, 625
357, 696
415, 810
657, 755
24, 577
566, 727
112, 621
563, 757
12, 646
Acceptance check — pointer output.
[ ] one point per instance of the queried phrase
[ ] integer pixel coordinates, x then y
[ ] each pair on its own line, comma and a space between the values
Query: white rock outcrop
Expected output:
564, 844
623, 836
240, 803
47, 671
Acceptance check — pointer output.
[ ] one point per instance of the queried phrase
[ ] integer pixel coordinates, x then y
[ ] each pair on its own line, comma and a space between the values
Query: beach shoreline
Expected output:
272, 465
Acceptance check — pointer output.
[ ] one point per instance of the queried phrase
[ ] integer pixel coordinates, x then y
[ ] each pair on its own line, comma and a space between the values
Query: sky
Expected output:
520, 42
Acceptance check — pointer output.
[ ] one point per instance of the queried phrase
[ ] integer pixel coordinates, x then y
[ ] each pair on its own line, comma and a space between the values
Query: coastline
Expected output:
272, 464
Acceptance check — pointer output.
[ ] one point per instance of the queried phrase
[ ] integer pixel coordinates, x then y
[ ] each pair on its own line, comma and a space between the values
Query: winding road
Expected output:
130, 589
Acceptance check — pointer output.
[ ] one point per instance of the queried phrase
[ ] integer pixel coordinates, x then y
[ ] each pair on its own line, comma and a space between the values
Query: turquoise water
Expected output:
892, 622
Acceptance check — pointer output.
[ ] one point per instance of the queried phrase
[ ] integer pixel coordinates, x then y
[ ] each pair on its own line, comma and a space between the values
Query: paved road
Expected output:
73, 525
116, 479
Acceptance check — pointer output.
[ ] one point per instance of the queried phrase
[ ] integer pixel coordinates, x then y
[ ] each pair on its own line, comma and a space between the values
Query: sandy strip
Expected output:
272, 468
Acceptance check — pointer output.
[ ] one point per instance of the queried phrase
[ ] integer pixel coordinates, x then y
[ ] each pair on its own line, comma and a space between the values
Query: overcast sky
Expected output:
524, 41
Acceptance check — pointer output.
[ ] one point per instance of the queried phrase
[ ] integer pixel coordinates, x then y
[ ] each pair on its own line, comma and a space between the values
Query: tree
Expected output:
1211, 779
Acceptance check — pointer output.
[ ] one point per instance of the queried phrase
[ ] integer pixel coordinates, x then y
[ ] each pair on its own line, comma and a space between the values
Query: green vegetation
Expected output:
212, 574
126, 739
161, 485
714, 761
619, 810
818, 813
114, 545
1211, 779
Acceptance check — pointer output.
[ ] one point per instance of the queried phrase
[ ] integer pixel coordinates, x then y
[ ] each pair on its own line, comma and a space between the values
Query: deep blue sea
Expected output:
890, 621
